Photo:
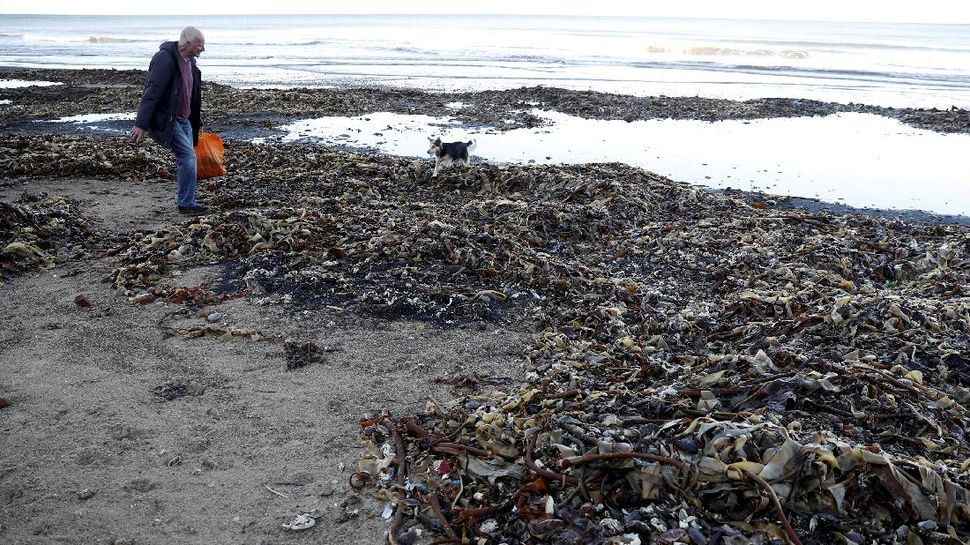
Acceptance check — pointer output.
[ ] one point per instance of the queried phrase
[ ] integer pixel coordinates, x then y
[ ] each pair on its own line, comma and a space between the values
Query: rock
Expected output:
82, 301
4, 403
145, 298
85, 494
214, 317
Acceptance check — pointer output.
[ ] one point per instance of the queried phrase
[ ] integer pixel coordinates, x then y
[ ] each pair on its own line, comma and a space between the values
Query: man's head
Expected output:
191, 42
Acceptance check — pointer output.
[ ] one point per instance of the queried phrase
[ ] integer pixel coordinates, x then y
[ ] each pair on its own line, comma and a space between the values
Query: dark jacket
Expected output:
156, 112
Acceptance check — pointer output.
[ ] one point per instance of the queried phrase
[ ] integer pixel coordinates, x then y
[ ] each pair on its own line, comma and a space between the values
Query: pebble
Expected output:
85, 494
214, 317
144, 298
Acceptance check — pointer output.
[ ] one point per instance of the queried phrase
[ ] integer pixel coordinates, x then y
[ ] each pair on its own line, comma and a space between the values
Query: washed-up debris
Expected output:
199, 296
60, 156
37, 232
301, 522
282, 495
705, 370
700, 370
250, 111
301, 354
223, 333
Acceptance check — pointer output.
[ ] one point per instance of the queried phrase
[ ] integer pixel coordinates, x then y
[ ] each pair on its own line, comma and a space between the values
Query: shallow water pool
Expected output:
860, 160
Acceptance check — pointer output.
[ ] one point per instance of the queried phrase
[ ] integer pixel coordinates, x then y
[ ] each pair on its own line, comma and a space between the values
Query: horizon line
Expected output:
598, 16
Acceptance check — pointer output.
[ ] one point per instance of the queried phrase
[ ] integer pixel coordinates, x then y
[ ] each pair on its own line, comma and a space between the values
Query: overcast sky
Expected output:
922, 11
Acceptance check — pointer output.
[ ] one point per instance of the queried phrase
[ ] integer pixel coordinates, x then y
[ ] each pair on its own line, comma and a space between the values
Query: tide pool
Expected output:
860, 160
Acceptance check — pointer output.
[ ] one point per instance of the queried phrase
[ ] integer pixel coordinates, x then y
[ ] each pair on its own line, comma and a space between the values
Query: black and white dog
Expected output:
446, 153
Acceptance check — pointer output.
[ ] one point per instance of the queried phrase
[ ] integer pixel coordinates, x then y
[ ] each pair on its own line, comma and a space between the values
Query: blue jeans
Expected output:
185, 161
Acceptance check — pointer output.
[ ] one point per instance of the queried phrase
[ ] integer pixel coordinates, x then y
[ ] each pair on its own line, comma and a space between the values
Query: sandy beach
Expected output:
166, 379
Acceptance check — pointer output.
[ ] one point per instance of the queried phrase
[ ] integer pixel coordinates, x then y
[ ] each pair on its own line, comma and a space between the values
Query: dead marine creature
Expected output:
301, 522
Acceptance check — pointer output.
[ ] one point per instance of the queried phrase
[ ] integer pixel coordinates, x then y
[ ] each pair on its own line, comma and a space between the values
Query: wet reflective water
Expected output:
18, 83
860, 160
96, 118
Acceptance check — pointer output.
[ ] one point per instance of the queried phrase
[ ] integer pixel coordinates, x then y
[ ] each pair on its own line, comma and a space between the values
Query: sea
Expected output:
852, 159
883, 64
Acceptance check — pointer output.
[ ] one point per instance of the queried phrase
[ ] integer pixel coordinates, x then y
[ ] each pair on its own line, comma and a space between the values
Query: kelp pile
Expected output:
36, 232
61, 156
707, 372
702, 369
230, 110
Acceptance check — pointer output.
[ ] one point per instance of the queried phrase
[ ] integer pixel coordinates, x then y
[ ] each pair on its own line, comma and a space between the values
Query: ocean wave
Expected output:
111, 40
402, 49
80, 38
40, 38
870, 75
747, 46
342, 44
865, 45
714, 51
788, 54
946, 80
284, 42
279, 43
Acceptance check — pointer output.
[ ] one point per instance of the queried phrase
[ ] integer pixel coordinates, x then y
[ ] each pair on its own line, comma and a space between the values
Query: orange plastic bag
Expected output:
208, 156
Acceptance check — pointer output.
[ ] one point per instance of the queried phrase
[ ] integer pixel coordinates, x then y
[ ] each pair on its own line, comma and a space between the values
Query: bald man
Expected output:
171, 110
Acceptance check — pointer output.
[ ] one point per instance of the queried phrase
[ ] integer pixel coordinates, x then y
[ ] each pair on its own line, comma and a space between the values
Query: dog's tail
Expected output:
471, 144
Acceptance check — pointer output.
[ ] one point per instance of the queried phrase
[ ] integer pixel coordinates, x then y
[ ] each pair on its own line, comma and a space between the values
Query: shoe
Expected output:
196, 210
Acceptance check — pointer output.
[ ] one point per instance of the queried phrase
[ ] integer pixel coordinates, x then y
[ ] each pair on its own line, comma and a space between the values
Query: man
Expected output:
171, 109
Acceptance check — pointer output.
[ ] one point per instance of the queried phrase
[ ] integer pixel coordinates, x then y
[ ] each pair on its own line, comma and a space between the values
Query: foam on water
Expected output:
860, 160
